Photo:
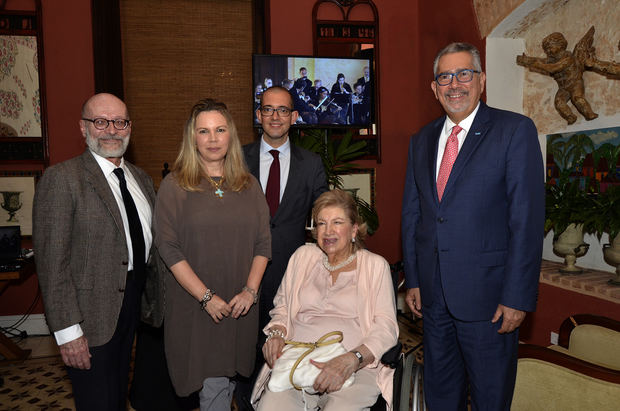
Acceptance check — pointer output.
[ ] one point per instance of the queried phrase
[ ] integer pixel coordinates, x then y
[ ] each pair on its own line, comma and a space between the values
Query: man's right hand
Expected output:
414, 301
76, 354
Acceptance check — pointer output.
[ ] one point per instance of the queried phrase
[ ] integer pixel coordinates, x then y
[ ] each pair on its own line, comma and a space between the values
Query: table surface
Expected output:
591, 282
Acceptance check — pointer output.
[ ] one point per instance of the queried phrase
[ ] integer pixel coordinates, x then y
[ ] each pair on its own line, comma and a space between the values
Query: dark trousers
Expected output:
104, 386
151, 389
466, 354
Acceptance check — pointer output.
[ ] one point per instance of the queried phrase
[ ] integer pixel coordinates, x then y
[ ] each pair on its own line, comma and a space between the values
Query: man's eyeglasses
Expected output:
462, 76
282, 111
102, 123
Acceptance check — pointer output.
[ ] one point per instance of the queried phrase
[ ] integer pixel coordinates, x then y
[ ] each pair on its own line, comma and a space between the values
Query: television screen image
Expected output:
326, 91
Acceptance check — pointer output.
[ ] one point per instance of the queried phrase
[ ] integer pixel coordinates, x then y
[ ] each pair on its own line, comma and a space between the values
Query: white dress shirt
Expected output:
144, 212
266, 159
445, 133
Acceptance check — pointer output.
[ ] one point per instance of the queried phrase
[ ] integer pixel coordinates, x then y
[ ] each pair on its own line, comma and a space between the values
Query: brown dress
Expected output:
218, 237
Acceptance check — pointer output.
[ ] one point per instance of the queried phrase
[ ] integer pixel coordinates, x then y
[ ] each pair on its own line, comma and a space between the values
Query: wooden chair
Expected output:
591, 338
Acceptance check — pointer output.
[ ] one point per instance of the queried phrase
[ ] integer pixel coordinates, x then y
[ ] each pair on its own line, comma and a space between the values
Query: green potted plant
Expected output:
605, 218
337, 155
567, 213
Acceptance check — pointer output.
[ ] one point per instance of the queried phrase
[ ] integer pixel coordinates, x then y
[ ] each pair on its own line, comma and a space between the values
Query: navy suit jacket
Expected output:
306, 182
485, 237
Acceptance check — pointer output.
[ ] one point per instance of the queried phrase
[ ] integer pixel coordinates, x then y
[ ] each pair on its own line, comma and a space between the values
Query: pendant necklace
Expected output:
218, 191
331, 268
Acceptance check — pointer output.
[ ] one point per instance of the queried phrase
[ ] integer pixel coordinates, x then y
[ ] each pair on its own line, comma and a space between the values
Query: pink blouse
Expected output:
327, 307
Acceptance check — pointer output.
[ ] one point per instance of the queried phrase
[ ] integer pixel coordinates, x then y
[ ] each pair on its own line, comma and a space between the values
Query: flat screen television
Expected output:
327, 92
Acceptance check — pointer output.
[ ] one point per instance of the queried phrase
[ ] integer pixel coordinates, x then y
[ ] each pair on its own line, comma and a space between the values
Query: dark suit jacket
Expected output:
367, 85
485, 237
81, 250
306, 182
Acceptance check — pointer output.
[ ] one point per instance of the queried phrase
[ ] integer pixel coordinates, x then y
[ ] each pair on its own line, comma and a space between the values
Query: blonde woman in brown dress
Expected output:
212, 230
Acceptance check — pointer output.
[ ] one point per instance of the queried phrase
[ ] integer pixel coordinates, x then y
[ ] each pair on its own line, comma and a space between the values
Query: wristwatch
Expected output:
359, 356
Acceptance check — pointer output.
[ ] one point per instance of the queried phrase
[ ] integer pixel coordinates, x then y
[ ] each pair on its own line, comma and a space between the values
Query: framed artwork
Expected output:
23, 126
16, 199
361, 183
586, 154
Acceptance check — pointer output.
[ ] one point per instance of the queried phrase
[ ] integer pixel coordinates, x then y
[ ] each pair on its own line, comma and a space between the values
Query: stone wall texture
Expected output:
490, 13
573, 19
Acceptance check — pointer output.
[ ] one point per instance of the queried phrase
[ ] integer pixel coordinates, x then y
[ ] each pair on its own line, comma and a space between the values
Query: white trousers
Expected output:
361, 395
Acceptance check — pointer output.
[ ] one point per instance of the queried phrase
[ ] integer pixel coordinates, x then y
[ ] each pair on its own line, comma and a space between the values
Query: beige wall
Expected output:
573, 21
513, 88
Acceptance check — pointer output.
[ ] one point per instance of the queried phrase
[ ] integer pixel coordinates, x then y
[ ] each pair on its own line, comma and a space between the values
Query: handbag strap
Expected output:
323, 341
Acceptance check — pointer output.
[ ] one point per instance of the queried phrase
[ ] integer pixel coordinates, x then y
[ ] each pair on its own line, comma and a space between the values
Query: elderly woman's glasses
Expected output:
282, 111
102, 123
462, 76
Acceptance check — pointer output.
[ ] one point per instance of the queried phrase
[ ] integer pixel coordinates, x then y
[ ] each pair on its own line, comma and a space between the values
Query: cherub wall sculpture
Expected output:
567, 69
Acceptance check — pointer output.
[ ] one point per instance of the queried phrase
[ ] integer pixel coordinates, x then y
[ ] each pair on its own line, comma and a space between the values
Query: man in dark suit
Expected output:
366, 82
92, 240
302, 180
472, 226
303, 76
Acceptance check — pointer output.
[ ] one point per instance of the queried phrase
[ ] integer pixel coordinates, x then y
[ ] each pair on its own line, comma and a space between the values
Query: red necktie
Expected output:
447, 161
273, 183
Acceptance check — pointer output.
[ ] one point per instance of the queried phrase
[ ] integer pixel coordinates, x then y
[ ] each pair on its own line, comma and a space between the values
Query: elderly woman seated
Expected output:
334, 285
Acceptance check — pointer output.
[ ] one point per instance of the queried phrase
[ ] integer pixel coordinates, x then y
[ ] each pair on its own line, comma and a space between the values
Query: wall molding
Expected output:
35, 324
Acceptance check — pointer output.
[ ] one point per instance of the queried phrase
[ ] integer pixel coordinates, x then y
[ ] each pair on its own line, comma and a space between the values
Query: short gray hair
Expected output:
457, 48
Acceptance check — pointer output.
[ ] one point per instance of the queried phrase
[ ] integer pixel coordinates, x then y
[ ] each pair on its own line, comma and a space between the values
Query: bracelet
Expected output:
272, 333
206, 298
251, 291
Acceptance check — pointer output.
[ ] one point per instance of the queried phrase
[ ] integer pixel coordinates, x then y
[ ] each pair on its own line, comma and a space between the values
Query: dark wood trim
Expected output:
107, 47
345, 7
261, 32
569, 324
571, 363
43, 92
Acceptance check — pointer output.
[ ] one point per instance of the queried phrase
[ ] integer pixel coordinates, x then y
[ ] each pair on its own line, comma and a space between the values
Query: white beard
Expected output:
95, 145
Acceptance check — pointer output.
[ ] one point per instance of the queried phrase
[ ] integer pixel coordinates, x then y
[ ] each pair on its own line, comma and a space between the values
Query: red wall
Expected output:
69, 81
411, 32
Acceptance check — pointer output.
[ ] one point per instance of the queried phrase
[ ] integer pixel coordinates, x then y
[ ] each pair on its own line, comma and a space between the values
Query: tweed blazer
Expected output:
81, 249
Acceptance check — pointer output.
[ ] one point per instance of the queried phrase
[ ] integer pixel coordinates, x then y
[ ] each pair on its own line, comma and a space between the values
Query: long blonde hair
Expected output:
188, 168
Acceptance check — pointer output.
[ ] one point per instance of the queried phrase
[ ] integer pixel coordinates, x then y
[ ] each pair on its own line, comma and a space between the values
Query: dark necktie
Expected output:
135, 228
273, 183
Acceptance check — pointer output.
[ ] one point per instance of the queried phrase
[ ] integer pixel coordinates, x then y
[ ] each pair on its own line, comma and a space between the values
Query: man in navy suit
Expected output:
302, 180
472, 237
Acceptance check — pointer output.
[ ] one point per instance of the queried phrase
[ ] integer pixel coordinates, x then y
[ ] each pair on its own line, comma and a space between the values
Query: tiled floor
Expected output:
41, 346
41, 382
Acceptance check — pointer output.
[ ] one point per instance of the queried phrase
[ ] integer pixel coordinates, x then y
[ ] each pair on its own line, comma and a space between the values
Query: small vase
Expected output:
611, 252
570, 245
12, 204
